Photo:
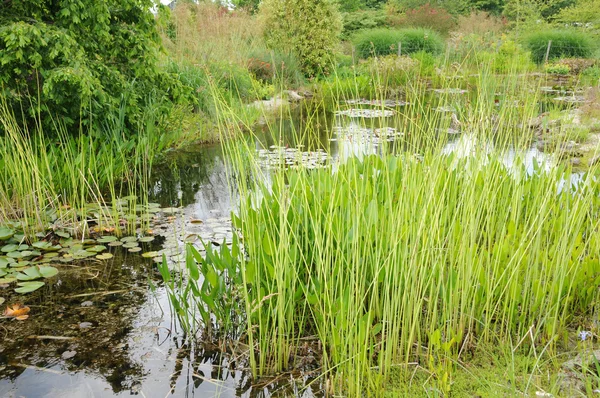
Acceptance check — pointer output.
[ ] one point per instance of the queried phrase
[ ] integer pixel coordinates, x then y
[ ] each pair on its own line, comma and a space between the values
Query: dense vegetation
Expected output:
410, 256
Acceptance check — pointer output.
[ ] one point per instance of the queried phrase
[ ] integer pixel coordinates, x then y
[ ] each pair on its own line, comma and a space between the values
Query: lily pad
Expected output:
47, 271
96, 249
150, 254
14, 254
27, 287
115, 243
4, 262
128, 239
42, 244
63, 234
134, 249
146, 239
106, 239
6, 233
29, 274
130, 245
2, 300
105, 256
8, 280
10, 248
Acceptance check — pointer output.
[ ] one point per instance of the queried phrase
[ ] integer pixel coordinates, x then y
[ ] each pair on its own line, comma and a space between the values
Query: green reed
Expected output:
415, 255
55, 178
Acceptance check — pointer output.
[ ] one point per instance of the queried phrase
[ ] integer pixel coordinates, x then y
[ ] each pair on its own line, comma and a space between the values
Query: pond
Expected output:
104, 328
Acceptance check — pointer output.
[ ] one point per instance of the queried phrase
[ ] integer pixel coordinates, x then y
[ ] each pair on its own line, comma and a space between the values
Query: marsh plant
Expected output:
411, 256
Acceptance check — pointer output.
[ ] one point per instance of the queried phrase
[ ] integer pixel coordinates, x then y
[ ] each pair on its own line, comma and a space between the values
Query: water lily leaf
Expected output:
2, 300
4, 262
7, 280
47, 271
134, 249
6, 233
63, 234
105, 256
42, 244
28, 287
150, 254
3, 273
29, 274
128, 239
96, 249
51, 255
106, 239
14, 254
116, 243
130, 245
54, 248
10, 248
146, 239
79, 254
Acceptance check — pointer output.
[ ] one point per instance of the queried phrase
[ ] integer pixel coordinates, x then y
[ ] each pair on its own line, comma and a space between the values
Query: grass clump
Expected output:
565, 44
378, 42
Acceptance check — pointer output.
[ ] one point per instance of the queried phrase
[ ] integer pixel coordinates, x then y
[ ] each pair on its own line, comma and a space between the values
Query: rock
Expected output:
581, 360
68, 354
293, 96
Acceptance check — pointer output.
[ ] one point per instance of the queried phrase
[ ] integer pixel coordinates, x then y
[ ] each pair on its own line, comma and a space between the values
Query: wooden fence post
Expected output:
548, 51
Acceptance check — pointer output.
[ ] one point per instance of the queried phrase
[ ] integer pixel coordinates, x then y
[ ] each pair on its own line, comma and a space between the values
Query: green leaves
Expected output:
28, 287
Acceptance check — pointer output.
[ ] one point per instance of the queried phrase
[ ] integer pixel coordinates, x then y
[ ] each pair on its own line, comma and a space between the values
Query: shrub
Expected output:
557, 69
385, 42
565, 44
511, 57
310, 29
425, 16
361, 20
75, 61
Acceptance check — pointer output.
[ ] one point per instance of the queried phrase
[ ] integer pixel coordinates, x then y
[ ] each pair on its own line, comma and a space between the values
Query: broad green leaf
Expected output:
28, 287
47, 271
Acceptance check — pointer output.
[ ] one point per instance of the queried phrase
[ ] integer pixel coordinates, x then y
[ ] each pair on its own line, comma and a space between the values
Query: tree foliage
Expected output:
79, 60
310, 29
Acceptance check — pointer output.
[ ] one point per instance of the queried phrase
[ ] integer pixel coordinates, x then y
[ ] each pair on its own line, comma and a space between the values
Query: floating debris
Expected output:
451, 91
387, 103
292, 157
366, 113
363, 135
572, 99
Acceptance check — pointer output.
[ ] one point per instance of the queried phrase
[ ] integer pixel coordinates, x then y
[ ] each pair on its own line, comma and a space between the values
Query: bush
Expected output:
565, 44
77, 61
425, 16
385, 41
310, 29
511, 57
557, 69
361, 20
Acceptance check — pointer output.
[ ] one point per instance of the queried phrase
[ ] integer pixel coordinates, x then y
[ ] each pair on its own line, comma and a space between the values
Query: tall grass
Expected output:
394, 259
50, 178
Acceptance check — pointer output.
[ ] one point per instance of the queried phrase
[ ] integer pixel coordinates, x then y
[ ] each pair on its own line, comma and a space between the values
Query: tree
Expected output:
78, 60
310, 29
